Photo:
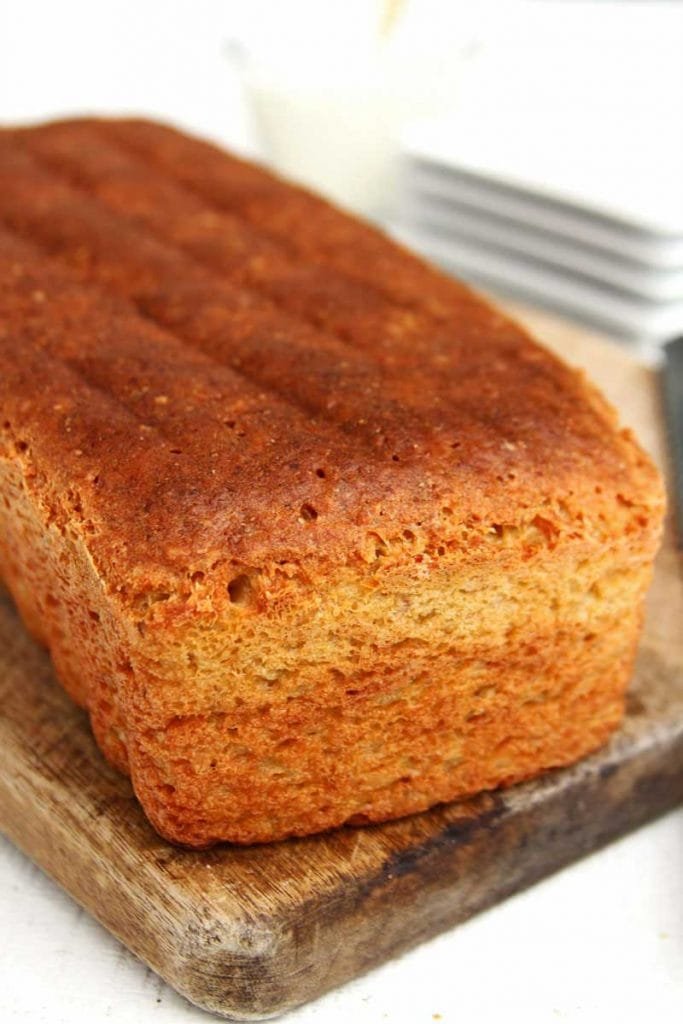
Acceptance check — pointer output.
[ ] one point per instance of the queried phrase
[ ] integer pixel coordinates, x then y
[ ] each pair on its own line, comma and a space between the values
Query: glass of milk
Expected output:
332, 131
330, 117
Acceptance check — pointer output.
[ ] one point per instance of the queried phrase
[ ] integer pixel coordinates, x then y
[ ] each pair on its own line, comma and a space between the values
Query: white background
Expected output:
600, 942
168, 57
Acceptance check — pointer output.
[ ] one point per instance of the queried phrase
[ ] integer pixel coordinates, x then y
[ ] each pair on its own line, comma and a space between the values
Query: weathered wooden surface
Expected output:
251, 932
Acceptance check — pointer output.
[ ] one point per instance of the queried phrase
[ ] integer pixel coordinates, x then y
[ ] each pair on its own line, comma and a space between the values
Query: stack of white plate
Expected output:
582, 215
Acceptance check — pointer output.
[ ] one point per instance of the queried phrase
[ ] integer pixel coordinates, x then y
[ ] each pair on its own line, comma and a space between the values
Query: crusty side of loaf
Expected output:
313, 538
359, 696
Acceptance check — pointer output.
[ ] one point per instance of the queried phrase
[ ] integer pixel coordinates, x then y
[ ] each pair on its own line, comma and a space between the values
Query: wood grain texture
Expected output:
251, 932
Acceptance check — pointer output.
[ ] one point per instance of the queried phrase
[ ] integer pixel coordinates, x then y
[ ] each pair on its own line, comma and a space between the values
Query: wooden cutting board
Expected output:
249, 933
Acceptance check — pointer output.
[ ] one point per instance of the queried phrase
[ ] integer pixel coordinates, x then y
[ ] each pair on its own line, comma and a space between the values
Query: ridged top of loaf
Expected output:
205, 366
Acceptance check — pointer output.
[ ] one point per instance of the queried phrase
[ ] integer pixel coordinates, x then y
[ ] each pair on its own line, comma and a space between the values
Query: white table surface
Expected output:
601, 941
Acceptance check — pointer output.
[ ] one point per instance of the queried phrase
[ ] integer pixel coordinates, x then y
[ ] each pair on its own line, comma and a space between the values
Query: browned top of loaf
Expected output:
213, 367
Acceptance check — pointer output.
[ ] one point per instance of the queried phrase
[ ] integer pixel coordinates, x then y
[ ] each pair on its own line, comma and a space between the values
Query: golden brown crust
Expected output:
241, 417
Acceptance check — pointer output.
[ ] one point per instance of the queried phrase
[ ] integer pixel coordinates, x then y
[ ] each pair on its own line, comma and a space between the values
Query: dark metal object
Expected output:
672, 386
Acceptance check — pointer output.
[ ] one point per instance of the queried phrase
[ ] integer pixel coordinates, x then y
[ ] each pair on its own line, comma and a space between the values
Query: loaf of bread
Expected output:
313, 533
